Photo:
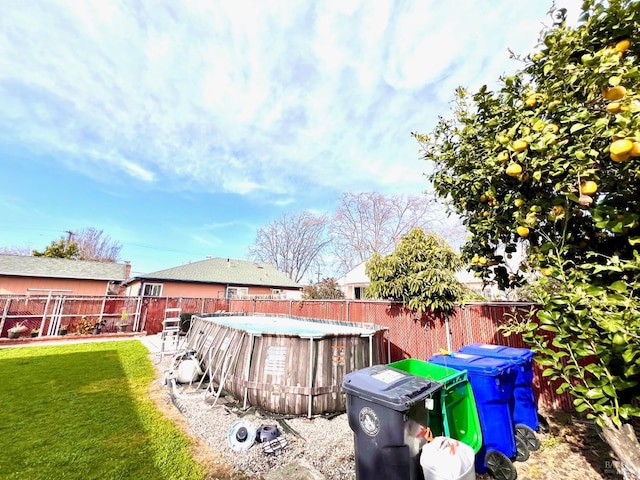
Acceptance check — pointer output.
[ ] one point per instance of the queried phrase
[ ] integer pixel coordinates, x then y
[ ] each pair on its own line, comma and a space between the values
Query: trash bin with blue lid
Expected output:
525, 413
456, 414
492, 381
388, 411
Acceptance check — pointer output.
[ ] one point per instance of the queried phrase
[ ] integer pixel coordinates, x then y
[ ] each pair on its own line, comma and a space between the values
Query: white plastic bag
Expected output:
447, 459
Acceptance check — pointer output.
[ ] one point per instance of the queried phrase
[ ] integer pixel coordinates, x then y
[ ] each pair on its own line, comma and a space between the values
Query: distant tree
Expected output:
86, 244
13, 250
94, 245
60, 249
370, 222
420, 273
292, 243
327, 289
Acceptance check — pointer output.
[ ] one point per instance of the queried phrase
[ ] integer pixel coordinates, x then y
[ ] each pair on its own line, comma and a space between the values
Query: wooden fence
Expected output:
409, 335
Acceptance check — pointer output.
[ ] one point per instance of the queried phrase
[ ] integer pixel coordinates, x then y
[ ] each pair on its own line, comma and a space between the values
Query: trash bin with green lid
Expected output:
387, 410
457, 415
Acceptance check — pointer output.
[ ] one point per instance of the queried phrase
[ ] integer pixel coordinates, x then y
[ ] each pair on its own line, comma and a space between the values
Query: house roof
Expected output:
28, 266
355, 276
224, 271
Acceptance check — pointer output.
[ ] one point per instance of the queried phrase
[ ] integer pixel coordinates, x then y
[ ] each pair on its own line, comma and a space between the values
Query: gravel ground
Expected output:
324, 443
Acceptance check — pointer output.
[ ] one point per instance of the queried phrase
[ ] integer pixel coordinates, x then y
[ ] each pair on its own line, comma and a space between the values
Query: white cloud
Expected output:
272, 98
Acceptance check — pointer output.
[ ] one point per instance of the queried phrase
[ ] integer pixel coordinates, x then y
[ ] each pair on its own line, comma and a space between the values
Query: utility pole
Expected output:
69, 236
318, 272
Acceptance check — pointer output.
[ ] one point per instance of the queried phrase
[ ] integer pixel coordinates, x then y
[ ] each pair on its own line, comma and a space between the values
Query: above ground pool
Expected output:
285, 365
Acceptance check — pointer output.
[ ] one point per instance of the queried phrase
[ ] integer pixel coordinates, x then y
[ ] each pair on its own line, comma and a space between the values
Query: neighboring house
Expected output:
219, 278
22, 275
354, 283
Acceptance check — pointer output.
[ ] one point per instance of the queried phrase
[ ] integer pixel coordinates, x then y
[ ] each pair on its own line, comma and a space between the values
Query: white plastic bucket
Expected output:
447, 459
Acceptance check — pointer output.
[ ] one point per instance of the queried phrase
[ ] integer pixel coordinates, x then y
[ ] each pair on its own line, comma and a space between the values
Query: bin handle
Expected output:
456, 382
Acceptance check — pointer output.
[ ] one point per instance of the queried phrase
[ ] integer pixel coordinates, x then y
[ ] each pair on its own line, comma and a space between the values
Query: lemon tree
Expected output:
550, 161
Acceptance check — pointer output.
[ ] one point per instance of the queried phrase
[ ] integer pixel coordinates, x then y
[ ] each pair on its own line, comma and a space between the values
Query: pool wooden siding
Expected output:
289, 374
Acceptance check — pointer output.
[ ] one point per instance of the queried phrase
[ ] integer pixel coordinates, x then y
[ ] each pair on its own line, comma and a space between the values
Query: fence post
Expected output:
104, 302
4, 314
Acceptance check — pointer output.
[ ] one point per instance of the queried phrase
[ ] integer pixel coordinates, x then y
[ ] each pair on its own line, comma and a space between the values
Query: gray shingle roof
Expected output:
224, 271
27, 266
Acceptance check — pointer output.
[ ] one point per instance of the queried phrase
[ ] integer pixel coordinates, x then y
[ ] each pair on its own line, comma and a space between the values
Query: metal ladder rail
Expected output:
170, 329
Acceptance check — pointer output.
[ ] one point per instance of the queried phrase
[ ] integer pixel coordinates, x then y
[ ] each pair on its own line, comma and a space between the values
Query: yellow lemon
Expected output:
635, 150
530, 101
503, 156
519, 145
588, 187
523, 231
620, 147
614, 107
623, 157
622, 45
514, 169
546, 272
518, 202
614, 93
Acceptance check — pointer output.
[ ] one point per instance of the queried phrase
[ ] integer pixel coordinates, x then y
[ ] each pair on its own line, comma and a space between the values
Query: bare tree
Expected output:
292, 244
94, 245
370, 222
13, 250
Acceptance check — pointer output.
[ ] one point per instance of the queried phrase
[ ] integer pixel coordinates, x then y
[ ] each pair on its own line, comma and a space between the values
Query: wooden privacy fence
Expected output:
409, 335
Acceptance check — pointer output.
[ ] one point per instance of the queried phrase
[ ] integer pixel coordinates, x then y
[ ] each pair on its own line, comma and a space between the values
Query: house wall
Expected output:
22, 285
186, 289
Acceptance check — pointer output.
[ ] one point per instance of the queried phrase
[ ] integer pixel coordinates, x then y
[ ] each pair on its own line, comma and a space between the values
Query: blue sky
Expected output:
181, 127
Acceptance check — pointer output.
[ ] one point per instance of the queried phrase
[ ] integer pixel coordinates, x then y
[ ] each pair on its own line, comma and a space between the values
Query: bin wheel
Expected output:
499, 466
528, 436
522, 452
543, 424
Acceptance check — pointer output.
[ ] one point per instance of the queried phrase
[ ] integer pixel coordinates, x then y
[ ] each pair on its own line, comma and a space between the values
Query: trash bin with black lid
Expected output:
525, 412
388, 411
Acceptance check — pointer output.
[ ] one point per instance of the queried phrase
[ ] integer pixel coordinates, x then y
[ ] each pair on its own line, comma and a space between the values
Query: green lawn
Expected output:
82, 412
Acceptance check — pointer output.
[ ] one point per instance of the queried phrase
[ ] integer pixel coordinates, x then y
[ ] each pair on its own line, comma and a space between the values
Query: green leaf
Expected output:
581, 408
547, 372
629, 354
594, 393
609, 391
